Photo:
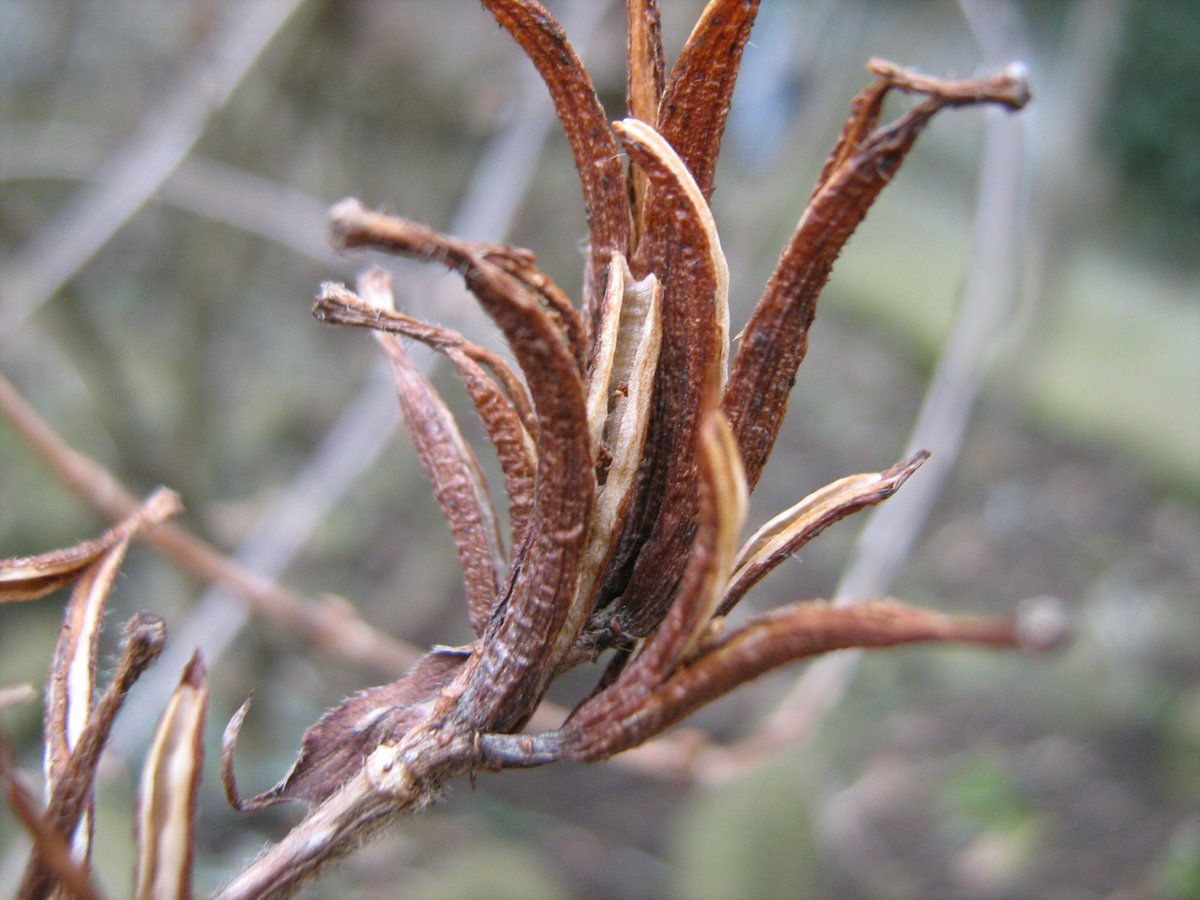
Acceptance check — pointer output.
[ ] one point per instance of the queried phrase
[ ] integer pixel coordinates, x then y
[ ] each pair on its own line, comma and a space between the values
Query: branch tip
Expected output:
1042, 624
1008, 88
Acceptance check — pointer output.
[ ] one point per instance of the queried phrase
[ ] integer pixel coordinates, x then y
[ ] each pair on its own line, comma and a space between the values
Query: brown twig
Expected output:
1010, 88
251, 203
16, 694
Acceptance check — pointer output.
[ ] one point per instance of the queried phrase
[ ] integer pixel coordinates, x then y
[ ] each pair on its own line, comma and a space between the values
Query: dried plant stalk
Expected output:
15, 695
629, 445
632, 498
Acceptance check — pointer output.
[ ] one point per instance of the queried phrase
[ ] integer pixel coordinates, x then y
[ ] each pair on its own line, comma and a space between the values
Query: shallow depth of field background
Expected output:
184, 354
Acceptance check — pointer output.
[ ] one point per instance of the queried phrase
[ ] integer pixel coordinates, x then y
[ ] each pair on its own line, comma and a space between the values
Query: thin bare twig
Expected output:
16, 694
204, 187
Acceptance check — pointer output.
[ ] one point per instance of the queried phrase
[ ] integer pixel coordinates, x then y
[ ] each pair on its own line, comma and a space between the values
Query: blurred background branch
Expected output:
138, 168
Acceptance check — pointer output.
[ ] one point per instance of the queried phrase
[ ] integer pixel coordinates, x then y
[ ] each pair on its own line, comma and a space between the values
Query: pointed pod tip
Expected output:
332, 296
195, 673
228, 747
234, 728
899, 473
916, 460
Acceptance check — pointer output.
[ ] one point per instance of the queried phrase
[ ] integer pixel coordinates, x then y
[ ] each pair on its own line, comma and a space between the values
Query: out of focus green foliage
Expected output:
1152, 125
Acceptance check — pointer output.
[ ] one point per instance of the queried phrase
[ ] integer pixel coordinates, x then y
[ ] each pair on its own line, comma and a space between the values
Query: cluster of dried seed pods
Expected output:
628, 441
